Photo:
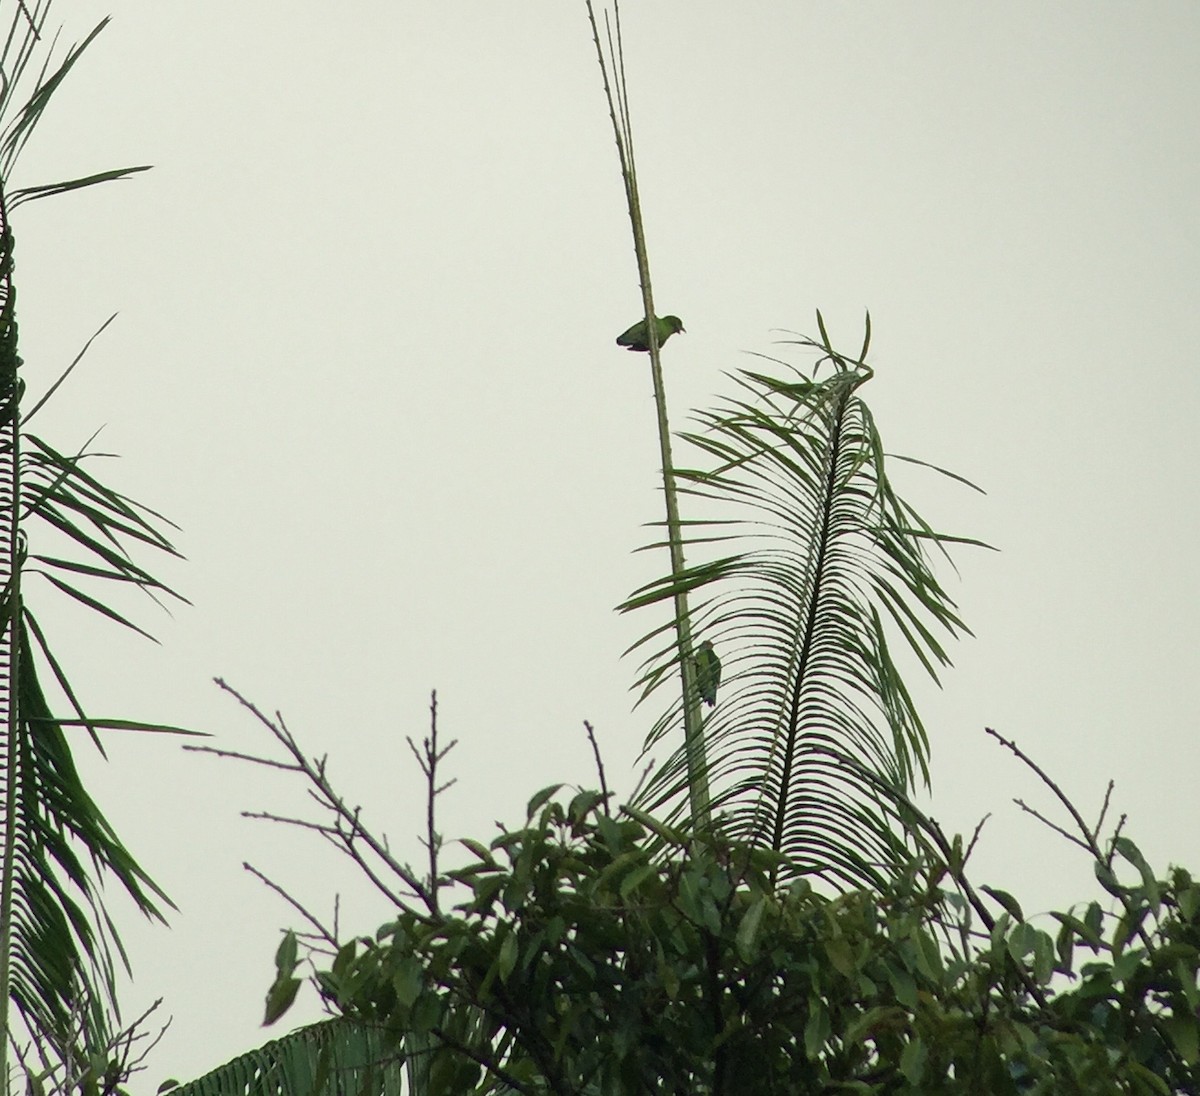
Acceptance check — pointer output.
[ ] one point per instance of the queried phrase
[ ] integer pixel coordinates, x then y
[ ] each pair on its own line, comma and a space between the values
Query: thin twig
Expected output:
294, 903
267, 816
347, 846
432, 840
1053, 825
599, 764
1104, 806
1112, 845
1089, 837
502, 1074
975, 838
236, 756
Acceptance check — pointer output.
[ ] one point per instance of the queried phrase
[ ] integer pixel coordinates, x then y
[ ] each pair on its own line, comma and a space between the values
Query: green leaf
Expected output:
286, 954
747, 932
98, 606
541, 799
913, 1060
480, 850
1022, 941
1129, 851
506, 960
903, 986
634, 879
881, 1018
817, 1029
94, 723
279, 999
1187, 983
1108, 880
408, 981
358, 1055
1043, 957
1184, 1032
1006, 900
47, 190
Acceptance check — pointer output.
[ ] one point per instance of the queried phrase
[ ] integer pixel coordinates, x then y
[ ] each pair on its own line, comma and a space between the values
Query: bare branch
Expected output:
433, 841
1089, 837
325, 934
267, 816
1112, 845
1104, 807
315, 772
599, 763
1053, 825
63, 1071
244, 757
975, 838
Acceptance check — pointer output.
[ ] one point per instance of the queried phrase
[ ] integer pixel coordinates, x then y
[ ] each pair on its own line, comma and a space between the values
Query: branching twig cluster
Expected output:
1089, 836
54, 1067
429, 756
344, 829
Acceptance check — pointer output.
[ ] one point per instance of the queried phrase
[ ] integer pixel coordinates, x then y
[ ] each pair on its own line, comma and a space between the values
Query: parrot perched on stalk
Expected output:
638, 337
708, 672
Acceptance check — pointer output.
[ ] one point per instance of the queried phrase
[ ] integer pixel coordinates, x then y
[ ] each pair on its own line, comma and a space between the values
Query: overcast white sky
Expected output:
365, 361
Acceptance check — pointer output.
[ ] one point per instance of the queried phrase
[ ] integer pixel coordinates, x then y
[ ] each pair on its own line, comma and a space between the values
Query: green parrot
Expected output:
638, 338
708, 672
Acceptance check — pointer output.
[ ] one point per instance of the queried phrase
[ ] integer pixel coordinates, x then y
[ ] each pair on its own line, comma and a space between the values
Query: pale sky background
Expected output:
365, 360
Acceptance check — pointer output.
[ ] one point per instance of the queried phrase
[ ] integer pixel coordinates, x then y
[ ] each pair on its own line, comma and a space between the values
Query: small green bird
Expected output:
708, 672
638, 337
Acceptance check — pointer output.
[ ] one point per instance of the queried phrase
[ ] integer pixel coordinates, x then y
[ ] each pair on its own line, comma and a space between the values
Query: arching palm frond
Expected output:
57, 851
346, 1057
829, 562
60, 937
332, 1058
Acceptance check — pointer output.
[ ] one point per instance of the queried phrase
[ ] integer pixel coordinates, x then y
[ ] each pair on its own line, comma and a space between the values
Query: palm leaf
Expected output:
58, 946
336, 1057
832, 568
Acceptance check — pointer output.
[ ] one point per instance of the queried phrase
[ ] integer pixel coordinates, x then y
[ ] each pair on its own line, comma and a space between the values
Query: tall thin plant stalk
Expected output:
612, 68
10, 650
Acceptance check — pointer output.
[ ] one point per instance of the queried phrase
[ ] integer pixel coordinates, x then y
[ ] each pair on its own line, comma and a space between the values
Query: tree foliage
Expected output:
593, 954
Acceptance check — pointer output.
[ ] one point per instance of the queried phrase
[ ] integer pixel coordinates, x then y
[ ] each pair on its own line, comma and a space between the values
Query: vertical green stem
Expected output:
693, 720
10, 647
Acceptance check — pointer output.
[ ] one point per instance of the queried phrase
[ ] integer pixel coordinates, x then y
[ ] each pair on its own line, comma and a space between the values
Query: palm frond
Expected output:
336, 1057
58, 945
21, 127
63, 186
64, 849
832, 569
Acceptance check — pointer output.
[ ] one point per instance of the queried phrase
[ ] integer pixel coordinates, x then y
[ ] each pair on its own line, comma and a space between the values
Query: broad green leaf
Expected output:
279, 999
747, 932
286, 954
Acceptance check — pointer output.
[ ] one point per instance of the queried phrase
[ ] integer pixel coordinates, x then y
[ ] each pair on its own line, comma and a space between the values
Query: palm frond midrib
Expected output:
779, 809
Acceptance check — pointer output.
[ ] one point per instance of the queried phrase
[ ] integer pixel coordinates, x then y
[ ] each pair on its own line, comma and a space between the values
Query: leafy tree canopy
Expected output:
594, 954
